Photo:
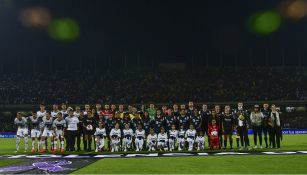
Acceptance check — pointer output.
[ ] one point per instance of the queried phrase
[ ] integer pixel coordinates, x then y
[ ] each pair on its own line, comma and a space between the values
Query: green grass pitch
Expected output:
273, 164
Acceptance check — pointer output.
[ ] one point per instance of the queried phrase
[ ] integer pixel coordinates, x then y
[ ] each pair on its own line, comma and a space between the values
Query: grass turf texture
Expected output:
290, 142
276, 164
7, 162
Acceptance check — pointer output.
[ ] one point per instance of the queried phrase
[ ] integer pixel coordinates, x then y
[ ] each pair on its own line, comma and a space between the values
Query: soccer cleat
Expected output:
96, 150
54, 150
137, 150
153, 149
33, 150
179, 148
44, 150
261, 147
62, 150
112, 150
125, 150
255, 147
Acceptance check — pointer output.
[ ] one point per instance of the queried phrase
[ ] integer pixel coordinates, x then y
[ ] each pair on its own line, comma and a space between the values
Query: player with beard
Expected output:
205, 114
158, 122
55, 111
169, 120
227, 127
89, 127
266, 115
35, 131
195, 120
240, 110
183, 119
22, 130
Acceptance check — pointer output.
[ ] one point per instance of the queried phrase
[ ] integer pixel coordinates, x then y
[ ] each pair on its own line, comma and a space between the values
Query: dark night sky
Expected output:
166, 31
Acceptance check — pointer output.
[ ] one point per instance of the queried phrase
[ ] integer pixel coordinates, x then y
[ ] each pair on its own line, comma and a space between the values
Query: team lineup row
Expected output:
123, 129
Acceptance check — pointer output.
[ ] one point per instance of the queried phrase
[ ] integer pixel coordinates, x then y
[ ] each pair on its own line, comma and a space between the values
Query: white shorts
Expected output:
47, 133
58, 133
22, 131
162, 144
35, 133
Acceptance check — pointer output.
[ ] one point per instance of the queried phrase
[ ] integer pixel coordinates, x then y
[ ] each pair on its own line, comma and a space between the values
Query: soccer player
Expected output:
55, 111
195, 119
100, 134
22, 131
106, 113
35, 131
190, 136
87, 108
115, 136
256, 121
183, 119
205, 115
181, 138
59, 124
128, 134
213, 131
151, 140
169, 120
176, 112
110, 122
64, 110
158, 122
146, 122
89, 125
200, 141
46, 130
80, 130
136, 121
266, 115
173, 136
151, 111
139, 138
227, 127
190, 110
162, 140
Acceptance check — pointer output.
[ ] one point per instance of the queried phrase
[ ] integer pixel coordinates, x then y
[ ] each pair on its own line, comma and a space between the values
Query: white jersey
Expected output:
200, 139
34, 122
77, 114
22, 123
100, 132
47, 123
162, 137
173, 134
190, 134
140, 134
152, 138
115, 133
181, 133
128, 134
41, 114
54, 113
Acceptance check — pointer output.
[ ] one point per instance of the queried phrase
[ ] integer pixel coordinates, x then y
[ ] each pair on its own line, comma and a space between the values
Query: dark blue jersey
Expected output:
169, 121
135, 123
157, 123
228, 122
146, 124
183, 120
196, 121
